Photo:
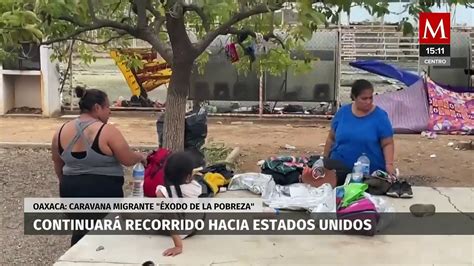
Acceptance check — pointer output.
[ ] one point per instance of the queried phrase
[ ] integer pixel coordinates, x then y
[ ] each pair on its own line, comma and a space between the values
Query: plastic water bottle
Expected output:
138, 175
357, 175
364, 164
318, 168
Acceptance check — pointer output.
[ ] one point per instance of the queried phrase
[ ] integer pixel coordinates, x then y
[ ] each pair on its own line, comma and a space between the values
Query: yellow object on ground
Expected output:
155, 71
215, 180
127, 73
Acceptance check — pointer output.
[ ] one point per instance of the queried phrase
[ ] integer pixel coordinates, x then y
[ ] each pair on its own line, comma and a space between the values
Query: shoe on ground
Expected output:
422, 210
394, 190
405, 190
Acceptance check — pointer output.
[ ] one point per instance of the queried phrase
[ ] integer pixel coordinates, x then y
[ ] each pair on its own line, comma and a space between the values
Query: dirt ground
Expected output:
413, 153
29, 173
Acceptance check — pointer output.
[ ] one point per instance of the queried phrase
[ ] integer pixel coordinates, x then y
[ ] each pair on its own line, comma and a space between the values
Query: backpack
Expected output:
362, 209
154, 171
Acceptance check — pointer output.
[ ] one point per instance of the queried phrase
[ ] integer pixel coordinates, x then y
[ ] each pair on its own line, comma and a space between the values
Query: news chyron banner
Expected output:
224, 216
434, 39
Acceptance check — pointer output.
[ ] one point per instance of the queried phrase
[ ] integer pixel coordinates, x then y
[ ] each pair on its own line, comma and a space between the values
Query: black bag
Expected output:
195, 129
377, 185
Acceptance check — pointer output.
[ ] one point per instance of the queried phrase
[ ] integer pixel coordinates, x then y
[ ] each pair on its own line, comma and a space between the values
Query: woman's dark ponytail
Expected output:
80, 91
89, 98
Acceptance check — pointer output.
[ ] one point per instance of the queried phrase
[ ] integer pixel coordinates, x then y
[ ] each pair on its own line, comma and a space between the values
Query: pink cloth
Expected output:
450, 112
407, 109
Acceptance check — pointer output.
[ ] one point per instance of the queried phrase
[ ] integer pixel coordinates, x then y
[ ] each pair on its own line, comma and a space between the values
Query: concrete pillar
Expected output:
2, 93
51, 103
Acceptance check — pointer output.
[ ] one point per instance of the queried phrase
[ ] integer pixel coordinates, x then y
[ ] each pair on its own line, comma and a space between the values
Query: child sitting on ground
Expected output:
178, 175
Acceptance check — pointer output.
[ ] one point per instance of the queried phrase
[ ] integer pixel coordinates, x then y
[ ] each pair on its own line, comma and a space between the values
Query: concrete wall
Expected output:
27, 90
7, 98
2, 85
34, 89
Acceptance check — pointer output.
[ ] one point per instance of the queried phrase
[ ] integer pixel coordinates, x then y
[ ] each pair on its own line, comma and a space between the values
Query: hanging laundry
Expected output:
231, 52
250, 51
260, 44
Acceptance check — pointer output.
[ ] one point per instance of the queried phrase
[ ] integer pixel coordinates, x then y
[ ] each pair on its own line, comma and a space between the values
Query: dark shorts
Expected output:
89, 186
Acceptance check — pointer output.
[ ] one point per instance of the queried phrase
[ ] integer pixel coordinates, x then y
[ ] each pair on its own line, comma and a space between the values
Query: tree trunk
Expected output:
177, 93
184, 56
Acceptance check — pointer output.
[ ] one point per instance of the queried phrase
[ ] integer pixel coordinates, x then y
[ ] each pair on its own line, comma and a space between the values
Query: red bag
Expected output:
154, 172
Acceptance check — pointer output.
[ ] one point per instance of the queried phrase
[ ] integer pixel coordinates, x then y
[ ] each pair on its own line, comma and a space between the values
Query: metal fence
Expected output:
385, 42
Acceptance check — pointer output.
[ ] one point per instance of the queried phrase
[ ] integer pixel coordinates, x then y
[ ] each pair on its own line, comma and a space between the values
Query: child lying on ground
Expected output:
178, 183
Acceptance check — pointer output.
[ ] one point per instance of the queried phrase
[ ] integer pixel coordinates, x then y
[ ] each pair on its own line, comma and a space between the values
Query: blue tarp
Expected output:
386, 70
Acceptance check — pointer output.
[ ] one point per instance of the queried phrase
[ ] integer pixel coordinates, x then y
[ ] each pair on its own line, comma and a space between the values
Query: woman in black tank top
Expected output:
91, 172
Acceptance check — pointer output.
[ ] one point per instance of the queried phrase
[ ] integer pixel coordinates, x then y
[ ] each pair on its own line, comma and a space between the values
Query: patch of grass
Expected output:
215, 152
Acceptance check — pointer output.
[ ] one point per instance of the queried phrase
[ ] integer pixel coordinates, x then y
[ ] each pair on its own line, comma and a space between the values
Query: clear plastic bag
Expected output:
296, 196
254, 182
384, 208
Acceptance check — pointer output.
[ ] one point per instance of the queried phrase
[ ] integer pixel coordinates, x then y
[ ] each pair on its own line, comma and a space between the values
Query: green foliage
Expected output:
18, 24
215, 152
133, 61
407, 28
201, 61
40, 20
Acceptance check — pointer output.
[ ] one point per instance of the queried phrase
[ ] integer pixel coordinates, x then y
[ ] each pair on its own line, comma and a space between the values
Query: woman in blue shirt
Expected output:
361, 127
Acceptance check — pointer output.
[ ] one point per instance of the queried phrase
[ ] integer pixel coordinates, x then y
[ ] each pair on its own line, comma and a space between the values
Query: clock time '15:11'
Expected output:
435, 50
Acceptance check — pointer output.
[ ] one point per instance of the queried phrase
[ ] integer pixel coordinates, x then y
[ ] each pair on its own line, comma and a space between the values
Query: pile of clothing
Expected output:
213, 178
286, 170
324, 199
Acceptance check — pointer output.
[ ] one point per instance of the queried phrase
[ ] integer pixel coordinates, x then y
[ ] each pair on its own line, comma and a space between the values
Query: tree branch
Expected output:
145, 34
90, 4
141, 13
249, 32
150, 8
178, 35
100, 43
99, 23
158, 23
69, 65
117, 6
70, 36
260, 9
200, 12
163, 49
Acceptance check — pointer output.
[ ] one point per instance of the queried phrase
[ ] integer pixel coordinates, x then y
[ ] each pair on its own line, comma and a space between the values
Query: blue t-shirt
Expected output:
356, 135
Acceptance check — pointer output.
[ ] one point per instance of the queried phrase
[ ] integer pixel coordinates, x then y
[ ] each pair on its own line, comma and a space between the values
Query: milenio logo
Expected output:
434, 28
434, 38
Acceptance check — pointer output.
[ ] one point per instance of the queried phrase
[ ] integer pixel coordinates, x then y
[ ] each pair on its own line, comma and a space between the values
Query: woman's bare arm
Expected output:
57, 161
329, 142
121, 149
388, 147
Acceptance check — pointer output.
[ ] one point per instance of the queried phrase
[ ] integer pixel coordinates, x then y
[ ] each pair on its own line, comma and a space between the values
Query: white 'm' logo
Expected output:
433, 34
